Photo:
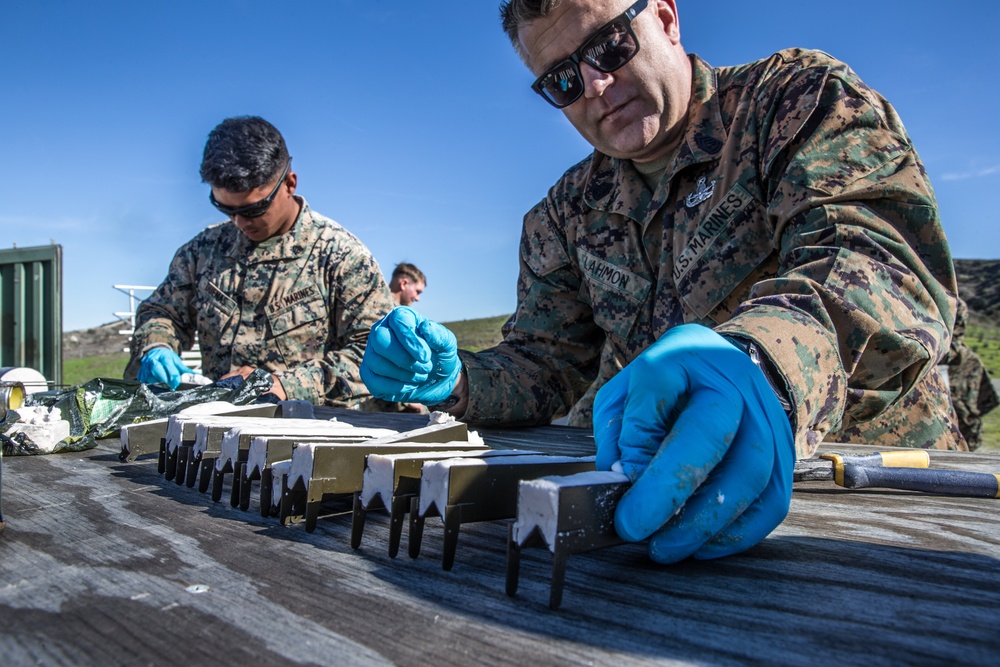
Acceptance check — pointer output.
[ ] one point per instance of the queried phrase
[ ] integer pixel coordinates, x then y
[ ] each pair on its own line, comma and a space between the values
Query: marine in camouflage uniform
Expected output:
299, 305
972, 392
276, 287
795, 214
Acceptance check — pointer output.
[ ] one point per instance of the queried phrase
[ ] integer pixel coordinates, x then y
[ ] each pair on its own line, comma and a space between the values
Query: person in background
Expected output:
276, 286
760, 246
972, 392
407, 284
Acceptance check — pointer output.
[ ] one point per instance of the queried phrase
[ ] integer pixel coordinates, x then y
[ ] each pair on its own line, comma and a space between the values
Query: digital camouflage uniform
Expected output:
582, 412
972, 392
299, 306
796, 214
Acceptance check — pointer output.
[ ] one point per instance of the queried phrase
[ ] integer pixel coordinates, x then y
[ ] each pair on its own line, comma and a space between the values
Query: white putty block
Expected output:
380, 476
436, 476
538, 501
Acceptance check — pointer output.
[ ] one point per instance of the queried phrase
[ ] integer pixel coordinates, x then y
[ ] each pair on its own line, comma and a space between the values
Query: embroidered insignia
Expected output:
708, 143
702, 191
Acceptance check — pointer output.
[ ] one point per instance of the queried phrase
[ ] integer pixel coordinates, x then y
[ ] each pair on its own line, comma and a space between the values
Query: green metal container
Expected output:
31, 309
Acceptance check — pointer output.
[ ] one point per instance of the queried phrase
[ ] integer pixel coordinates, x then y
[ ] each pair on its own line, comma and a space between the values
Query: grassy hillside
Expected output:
984, 339
78, 371
476, 335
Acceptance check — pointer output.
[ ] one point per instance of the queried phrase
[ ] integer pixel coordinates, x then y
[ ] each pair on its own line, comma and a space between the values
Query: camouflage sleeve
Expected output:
551, 347
167, 317
358, 297
864, 301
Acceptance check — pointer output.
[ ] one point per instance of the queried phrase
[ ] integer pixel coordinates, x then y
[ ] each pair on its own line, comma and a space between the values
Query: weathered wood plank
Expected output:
102, 563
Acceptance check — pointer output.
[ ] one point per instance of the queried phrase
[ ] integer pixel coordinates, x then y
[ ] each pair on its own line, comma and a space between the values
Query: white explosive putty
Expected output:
231, 440
261, 446
436, 476
380, 470
538, 502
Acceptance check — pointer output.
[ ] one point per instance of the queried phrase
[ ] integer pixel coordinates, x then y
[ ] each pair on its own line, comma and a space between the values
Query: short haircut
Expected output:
407, 270
242, 154
515, 12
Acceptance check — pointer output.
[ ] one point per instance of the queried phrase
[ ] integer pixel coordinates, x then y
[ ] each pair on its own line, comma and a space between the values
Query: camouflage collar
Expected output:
615, 186
287, 246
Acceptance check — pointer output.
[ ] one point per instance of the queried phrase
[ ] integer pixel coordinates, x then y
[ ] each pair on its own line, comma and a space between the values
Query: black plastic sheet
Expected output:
100, 407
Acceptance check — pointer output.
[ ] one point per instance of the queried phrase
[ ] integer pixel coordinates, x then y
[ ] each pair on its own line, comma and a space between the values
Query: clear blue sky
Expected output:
411, 123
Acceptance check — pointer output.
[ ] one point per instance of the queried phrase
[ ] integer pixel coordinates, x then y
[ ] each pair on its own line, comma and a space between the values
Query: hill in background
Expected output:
474, 335
100, 351
98, 341
979, 285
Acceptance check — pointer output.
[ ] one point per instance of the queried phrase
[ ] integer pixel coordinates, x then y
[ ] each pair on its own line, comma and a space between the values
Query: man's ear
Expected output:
666, 12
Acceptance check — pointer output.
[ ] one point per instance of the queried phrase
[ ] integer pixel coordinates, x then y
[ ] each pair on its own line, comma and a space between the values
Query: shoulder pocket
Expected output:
297, 315
728, 245
616, 294
216, 309
542, 250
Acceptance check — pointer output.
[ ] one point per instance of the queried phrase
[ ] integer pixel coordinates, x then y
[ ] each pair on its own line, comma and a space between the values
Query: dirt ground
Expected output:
101, 340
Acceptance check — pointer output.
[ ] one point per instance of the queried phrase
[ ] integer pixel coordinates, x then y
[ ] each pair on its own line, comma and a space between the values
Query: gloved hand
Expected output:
162, 364
705, 441
410, 359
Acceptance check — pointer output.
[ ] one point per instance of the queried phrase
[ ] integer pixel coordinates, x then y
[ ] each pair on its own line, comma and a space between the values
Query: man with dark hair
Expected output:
407, 284
759, 245
277, 286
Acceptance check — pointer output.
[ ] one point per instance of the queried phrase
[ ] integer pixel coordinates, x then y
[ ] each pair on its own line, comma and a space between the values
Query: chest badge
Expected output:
702, 190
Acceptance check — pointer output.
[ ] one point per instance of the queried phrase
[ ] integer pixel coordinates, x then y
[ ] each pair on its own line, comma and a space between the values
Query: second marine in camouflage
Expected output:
295, 297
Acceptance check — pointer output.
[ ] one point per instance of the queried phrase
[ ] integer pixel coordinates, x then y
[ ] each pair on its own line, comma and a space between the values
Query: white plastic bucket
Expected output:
31, 379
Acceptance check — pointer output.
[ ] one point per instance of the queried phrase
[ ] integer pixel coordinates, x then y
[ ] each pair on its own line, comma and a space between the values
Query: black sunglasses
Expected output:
256, 209
607, 49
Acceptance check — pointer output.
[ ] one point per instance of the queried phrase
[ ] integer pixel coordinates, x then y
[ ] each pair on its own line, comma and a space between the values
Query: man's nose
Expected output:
595, 82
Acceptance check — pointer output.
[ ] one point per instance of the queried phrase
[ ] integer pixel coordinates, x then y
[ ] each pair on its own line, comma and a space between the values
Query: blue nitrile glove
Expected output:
410, 359
696, 428
162, 364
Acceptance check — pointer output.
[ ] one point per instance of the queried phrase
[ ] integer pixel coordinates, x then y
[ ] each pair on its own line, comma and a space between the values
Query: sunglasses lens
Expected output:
611, 48
256, 210
253, 211
563, 85
607, 51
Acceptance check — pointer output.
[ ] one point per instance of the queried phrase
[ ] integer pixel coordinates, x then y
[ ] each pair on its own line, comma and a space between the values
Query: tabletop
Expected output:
108, 563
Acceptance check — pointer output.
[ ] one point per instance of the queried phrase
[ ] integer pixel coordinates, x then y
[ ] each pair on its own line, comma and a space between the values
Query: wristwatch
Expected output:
453, 399
762, 362
446, 404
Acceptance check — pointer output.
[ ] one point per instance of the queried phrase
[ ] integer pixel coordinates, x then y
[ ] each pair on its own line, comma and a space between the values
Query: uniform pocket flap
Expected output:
297, 314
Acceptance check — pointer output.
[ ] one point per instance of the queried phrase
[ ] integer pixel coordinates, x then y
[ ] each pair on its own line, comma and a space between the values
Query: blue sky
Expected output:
410, 123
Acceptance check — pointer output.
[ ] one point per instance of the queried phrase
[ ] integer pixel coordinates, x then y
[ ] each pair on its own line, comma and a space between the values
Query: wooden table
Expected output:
107, 563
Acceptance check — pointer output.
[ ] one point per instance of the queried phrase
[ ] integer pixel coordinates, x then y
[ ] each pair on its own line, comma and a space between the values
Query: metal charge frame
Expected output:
339, 470
482, 493
584, 522
406, 474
